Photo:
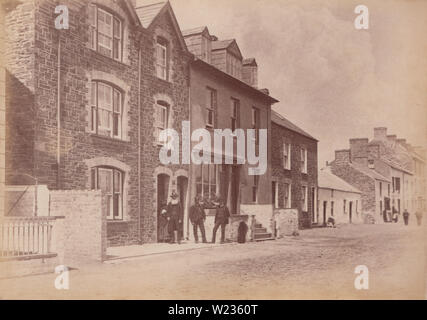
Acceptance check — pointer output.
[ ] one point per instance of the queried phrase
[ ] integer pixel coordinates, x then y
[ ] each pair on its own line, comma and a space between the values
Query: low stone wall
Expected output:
263, 214
286, 222
79, 238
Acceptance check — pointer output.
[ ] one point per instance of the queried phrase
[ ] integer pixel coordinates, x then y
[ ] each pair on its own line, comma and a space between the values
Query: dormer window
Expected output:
105, 34
162, 58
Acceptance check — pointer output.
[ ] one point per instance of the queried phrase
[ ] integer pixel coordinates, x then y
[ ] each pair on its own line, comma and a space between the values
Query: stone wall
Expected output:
79, 238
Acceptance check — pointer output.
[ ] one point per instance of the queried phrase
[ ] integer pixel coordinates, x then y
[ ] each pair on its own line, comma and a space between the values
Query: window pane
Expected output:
93, 185
117, 181
117, 28
116, 101
105, 181
116, 124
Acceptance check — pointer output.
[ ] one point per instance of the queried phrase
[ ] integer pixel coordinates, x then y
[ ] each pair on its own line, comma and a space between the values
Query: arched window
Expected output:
106, 110
110, 181
161, 117
105, 32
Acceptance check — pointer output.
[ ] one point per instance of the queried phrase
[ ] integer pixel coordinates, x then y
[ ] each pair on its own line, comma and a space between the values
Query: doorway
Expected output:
325, 204
234, 189
182, 187
350, 215
162, 201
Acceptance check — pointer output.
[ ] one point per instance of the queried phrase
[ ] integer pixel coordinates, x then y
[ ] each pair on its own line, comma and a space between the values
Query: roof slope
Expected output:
330, 181
369, 172
194, 31
147, 13
282, 121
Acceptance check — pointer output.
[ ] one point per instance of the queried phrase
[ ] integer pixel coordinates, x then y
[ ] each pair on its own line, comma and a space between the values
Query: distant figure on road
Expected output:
331, 222
221, 219
419, 216
197, 218
406, 217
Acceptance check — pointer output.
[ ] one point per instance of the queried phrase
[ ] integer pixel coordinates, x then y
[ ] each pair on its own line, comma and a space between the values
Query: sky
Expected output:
332, 80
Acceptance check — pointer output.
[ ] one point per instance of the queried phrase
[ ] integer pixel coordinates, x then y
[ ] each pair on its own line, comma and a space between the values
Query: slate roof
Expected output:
147, 13
193, 31
281, 121
369, 172
221, 44
328, 180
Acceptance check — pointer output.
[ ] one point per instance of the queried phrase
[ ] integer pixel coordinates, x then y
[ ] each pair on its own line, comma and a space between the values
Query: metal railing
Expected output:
22, 237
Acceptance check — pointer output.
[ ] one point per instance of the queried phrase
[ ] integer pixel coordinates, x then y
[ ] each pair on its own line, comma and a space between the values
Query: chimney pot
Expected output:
380, 133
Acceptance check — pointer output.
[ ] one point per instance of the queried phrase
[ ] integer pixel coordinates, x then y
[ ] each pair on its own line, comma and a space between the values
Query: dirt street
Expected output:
318, 264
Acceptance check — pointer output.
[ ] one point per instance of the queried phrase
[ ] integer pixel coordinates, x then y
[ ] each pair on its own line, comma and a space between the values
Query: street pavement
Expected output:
318, 264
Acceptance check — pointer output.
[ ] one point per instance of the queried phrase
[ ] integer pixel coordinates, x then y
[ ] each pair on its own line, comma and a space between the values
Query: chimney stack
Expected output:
380, 133
363, 161
342, 156
250, 72
359, 147
392, 138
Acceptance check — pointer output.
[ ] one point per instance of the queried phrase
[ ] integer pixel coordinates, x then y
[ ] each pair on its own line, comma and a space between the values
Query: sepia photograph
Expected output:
205, 150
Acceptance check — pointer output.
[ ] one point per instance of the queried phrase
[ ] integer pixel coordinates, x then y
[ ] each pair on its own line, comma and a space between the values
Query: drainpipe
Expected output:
139, 145
190, 171
58, 117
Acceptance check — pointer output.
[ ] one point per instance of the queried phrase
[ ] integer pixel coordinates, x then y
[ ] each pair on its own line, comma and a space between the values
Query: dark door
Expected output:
325, 204
162, 199
234, 196
182, 183
350, 211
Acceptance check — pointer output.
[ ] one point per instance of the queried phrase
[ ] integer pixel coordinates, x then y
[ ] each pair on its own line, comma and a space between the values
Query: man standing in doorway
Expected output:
197, 218
174, 211
221, 219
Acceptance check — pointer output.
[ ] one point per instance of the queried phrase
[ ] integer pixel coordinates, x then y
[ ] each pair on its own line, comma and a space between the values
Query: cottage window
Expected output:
235, 108
211, 103
206, 180
345, 206
287, 156
162, 59
332, 208
105, 34
106, 110
303, 160
161, 118
304, 198
110, 181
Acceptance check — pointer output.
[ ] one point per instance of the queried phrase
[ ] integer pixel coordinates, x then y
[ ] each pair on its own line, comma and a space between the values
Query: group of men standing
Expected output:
174, 214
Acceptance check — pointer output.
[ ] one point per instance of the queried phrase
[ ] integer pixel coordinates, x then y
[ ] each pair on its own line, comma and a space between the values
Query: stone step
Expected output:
264, 239
260, 230
261, 236
258, 225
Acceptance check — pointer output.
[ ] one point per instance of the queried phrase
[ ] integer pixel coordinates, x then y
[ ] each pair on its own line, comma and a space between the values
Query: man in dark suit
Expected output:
197, 218
174, 213
221, 220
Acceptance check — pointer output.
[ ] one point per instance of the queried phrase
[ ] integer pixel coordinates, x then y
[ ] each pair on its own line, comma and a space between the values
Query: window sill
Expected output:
117, 221
163, 80
109, 58
101, 137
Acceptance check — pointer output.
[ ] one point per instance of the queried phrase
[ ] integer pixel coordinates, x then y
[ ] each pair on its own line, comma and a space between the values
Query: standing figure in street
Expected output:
406, 217
174, 211
221, 219
419, 216
197, 218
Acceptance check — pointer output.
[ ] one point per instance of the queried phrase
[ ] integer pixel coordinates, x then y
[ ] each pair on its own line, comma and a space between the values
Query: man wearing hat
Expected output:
197, 218
221, 219
174, 212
